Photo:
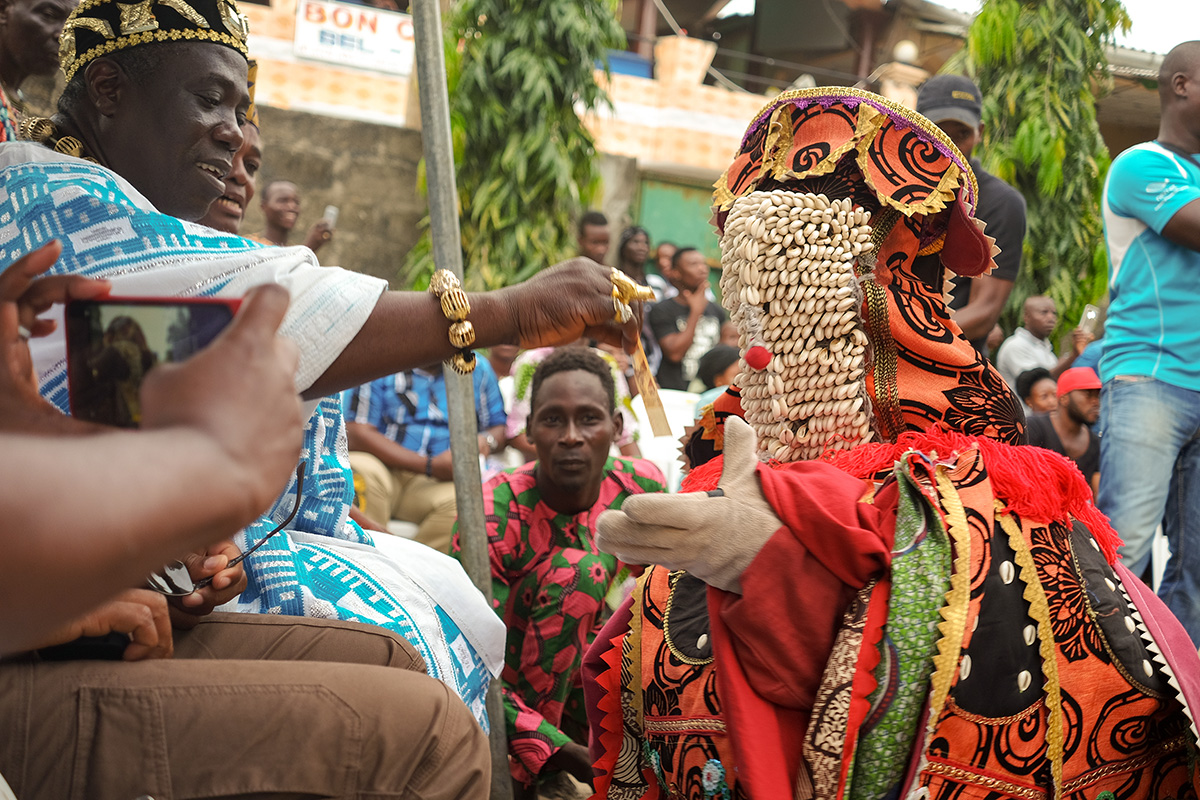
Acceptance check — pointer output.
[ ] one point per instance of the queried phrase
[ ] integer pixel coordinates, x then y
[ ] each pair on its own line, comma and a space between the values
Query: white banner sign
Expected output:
356, 36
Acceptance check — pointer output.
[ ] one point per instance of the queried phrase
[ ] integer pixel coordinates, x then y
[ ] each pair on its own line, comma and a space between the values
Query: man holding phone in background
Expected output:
281, 208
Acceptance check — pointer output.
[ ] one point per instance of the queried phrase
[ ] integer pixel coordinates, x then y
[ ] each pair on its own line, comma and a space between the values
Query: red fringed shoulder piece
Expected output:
703, 478
1035, 483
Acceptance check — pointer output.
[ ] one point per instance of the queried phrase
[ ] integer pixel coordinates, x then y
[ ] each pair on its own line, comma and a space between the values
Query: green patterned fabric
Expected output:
921, 565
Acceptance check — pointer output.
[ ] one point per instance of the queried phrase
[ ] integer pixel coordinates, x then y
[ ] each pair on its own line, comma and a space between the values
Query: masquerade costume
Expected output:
903, 601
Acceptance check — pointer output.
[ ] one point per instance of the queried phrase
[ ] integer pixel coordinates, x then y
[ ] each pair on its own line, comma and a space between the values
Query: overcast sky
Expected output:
1158, 25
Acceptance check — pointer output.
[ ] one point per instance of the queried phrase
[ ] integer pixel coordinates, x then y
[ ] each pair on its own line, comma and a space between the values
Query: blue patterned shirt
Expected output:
410, 407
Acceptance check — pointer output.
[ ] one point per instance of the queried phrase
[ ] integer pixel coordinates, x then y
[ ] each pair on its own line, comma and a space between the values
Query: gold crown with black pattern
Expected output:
100, 27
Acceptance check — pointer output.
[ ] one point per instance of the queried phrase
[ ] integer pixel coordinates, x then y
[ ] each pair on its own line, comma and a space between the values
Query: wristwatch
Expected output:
491, 442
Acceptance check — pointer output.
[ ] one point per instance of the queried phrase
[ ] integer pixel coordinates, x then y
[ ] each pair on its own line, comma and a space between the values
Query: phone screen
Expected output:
112, 344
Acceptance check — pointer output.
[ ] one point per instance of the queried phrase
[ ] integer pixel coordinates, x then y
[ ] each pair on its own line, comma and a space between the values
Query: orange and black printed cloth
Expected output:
941, 612
1046, 679
818, 137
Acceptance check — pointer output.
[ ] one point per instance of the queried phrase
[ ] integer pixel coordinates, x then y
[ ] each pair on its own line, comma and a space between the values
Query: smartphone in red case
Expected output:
112, 342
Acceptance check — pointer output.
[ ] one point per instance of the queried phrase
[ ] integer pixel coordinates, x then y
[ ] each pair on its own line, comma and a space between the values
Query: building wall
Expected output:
368, 170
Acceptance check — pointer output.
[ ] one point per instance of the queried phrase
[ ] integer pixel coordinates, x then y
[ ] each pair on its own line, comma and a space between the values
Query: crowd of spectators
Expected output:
395, 639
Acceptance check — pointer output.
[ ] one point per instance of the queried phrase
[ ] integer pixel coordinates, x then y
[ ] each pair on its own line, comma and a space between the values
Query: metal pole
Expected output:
460, 392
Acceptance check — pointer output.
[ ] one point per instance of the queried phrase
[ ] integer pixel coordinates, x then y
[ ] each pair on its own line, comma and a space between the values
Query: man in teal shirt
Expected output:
1150, 404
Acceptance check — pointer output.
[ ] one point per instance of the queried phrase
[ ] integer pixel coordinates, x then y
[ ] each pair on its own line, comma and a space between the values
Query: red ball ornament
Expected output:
757, 357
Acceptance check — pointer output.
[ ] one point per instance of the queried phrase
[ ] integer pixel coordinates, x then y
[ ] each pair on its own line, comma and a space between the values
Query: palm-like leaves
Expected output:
522, 74
1041, 66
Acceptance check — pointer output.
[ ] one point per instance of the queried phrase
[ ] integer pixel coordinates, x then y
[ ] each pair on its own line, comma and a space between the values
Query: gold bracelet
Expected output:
446, 286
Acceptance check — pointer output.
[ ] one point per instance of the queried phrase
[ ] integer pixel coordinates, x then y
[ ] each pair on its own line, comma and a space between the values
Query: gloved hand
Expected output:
714, 535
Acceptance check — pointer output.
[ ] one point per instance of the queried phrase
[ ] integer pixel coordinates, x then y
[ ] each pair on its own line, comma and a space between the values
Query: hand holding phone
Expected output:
20, 284
23, 296
322, 230
241, 393
1089, 322
113, 342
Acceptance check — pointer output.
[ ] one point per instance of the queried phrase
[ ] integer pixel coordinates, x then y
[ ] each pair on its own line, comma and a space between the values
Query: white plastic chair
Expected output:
664, 451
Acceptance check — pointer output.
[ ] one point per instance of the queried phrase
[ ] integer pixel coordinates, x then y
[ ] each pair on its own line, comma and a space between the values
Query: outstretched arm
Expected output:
555, 307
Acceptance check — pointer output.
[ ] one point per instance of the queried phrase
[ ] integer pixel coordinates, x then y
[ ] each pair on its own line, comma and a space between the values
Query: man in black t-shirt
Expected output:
1066, 430
688, 324
954, 104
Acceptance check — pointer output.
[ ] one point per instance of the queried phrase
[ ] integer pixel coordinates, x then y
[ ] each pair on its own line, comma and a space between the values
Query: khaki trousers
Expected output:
293, 708
409, 496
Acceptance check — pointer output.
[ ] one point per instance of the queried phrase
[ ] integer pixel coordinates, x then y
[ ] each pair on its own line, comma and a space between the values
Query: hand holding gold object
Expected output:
627, 290
624, 292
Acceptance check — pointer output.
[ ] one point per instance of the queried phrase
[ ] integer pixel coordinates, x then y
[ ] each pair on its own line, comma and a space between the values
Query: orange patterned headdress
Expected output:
839, 217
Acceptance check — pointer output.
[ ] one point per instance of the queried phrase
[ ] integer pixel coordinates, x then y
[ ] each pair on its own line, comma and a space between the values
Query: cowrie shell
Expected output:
1023, 680
964, 668
1130, 625
1030, 634
1147, 668
1007, 571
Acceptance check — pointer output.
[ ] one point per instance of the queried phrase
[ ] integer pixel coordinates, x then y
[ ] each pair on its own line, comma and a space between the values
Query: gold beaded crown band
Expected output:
100, 27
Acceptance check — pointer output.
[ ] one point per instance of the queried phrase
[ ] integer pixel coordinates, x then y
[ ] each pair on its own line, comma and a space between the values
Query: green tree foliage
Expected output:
1041, 66
520, 77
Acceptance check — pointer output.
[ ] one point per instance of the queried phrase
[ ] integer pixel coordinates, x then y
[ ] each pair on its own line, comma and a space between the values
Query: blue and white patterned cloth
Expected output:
324, 565
410, 407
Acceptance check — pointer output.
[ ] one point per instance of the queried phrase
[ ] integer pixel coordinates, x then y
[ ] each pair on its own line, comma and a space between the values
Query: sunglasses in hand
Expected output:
174, 580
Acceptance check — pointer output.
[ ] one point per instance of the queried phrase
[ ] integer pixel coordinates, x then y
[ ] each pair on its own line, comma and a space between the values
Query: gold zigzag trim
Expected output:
870, 121
913, 118
954, 613
635, 646
1039, 609
70, 67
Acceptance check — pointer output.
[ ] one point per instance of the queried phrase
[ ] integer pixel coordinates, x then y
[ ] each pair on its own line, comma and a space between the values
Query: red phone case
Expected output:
74, 337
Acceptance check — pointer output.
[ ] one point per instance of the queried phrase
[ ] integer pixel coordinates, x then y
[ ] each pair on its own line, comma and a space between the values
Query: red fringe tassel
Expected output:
1036, 484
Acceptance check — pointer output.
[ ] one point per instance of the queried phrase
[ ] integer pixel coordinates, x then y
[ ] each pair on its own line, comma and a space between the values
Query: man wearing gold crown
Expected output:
872, 589
147, 127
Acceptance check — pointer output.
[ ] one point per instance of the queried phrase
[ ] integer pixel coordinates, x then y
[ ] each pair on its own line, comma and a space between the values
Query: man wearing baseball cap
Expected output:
954, 104
1067, 429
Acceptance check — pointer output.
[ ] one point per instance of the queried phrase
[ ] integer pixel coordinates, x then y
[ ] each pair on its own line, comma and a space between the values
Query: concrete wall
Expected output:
368, 171
619, 182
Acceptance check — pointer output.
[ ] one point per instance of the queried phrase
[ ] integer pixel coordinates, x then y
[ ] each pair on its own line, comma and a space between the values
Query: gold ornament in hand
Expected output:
627, 290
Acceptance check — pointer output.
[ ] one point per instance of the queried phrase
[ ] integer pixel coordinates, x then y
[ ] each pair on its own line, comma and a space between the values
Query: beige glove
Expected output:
714, 535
